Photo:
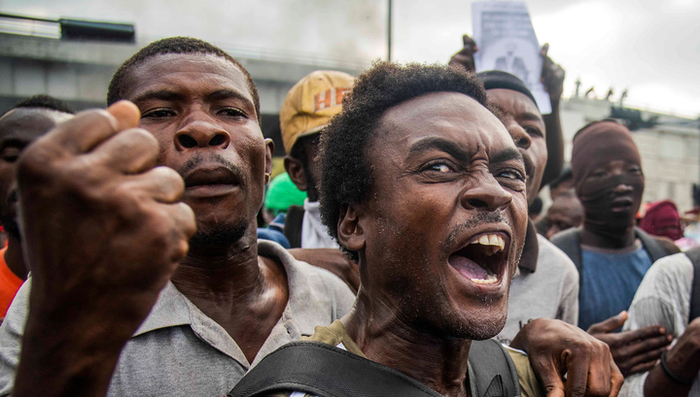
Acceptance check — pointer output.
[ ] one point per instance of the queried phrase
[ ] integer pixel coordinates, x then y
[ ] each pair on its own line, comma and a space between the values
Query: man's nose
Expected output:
520, 136
201, 131
487, 196
622, 188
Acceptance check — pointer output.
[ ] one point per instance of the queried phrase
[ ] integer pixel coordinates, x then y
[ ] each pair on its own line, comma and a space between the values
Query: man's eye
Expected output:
158, 113
532, 131
10, 155
634, 170
599, 173
232, 112
438, 167
512, 174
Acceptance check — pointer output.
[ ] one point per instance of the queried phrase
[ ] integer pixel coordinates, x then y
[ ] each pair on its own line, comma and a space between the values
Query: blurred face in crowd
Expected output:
526, 126
607, 172
200, 109
563, 186
18, 128
566, 212
444, 227
612, 193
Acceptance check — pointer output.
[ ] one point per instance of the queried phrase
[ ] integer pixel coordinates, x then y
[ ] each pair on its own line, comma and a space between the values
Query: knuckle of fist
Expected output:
578, 389
143, 140
33, 162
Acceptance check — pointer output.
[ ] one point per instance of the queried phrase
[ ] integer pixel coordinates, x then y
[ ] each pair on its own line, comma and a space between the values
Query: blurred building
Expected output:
38, 58
74, 60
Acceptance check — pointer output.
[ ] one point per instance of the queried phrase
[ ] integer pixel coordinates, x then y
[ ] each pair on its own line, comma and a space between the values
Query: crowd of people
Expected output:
149, 252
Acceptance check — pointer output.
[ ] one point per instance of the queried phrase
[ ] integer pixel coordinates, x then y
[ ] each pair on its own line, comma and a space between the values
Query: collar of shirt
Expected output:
302, 313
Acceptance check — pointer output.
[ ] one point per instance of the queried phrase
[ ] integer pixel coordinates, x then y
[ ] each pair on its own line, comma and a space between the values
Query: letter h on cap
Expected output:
329, 98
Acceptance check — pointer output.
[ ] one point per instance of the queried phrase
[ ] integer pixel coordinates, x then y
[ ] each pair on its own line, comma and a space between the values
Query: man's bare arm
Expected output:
553, 80
683, 362
103, 231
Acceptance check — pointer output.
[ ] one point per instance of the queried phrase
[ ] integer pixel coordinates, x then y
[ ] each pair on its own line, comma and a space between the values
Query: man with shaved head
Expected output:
425, 188
97, 210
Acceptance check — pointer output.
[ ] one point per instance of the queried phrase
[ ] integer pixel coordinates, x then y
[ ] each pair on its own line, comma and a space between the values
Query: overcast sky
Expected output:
651, 47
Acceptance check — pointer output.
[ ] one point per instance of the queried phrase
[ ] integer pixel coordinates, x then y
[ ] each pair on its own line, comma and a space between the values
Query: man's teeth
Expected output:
496, 242
490, 279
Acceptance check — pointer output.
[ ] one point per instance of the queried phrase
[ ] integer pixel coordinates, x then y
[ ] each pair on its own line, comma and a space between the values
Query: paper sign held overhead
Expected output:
506, 40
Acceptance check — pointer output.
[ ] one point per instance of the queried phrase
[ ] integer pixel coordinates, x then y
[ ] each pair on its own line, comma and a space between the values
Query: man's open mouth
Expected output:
622, 203
482, 260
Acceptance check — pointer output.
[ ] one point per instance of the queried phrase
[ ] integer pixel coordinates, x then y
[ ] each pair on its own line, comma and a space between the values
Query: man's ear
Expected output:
350, 233
269, 149
295, 169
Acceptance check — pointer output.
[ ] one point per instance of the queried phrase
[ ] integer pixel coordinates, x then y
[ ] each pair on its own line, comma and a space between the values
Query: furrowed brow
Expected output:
530, 117
507, 155
226, 94
163, 95
440, 144
14, 141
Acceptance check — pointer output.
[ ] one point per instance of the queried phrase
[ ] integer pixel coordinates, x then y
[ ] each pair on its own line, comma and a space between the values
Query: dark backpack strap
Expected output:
324, 370
694, 256
655, 250
494, 370
292, 225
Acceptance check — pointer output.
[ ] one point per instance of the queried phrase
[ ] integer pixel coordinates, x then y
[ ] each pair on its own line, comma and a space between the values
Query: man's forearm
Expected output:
682, 365
60, 360
555, 145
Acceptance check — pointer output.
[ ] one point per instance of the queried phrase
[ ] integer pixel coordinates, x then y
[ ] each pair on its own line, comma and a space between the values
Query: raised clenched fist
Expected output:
102, 228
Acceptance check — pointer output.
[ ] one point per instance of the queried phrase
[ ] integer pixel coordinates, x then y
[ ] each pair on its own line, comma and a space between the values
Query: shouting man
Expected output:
424, 186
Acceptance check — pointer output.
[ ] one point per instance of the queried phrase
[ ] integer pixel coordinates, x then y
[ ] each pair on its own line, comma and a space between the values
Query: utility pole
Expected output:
388, 34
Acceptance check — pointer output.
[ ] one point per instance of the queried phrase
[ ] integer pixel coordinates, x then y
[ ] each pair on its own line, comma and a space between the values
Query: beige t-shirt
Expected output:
336, 335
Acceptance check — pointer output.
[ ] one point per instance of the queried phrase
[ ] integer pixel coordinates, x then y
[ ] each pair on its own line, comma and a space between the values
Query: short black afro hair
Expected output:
44, 102
345, 175
174, 45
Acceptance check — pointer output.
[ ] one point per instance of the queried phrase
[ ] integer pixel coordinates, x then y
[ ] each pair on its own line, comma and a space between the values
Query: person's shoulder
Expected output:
671, 267
315, 286
17, 313
566, 236
667, 244
551, 254
273, 250
657, 247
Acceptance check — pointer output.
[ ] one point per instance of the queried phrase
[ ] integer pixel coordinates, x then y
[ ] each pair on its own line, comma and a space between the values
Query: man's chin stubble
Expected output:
219, 236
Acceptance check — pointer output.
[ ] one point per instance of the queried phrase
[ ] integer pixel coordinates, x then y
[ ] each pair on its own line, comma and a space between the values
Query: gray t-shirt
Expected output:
551, 291
179, 351
663, 298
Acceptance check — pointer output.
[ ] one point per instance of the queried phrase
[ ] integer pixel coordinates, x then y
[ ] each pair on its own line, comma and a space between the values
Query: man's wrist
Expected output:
672, 374
681, 363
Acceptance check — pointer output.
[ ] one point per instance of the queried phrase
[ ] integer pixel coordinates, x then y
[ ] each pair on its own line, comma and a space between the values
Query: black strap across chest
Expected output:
694, 256
324, 370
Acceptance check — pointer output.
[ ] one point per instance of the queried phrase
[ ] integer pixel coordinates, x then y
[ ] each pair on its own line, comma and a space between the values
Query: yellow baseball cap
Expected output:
311, 103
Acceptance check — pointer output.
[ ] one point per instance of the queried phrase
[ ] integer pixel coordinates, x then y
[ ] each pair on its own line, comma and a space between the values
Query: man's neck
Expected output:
14, 257
439, 363
242, 292
613, 237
